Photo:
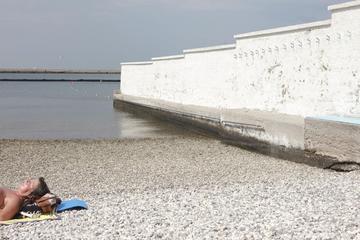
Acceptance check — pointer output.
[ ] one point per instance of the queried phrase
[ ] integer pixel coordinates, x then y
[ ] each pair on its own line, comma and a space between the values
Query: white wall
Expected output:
308, 70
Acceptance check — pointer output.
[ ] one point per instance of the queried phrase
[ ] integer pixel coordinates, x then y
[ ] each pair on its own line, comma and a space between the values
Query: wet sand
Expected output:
180, 187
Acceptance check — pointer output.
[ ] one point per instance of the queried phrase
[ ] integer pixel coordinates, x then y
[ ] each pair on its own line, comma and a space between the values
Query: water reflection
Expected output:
135, 126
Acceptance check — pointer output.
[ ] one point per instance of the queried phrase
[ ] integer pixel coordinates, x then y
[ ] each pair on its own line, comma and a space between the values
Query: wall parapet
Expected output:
344, 6
210, 49
284, 30
168, 57
136, 63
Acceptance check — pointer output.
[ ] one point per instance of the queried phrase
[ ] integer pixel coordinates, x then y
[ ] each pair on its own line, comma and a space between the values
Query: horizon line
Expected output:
59, 70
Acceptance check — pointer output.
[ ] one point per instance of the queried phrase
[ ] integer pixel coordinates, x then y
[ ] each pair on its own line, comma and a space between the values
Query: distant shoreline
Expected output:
58, 80
55, 71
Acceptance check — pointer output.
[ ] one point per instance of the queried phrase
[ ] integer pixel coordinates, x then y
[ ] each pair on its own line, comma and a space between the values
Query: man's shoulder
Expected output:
8, 198
6, 192
9, 195
10, 204
2, 198
2, 193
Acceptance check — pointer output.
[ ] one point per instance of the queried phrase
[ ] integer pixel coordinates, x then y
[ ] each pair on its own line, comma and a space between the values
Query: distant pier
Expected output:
70, 71
45, 74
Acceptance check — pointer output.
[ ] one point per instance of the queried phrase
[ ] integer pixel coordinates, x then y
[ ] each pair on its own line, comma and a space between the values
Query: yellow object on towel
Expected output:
41, 217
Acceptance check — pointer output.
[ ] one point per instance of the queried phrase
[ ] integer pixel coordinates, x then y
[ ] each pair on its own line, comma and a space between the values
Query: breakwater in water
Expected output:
47, 70
38, 74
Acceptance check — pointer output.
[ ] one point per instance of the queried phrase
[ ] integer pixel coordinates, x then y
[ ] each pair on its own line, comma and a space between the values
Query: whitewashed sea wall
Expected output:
307, 70
266, 86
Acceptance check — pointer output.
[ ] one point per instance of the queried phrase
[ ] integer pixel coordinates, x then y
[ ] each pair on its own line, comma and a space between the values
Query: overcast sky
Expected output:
103, 33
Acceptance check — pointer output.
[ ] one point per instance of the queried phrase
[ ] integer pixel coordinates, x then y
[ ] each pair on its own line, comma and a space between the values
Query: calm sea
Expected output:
67, 110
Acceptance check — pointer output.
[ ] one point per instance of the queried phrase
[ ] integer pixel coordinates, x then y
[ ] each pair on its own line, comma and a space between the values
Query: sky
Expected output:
100, 34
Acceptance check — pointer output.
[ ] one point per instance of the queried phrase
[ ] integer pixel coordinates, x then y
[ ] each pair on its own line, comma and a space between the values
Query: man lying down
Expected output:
32, 192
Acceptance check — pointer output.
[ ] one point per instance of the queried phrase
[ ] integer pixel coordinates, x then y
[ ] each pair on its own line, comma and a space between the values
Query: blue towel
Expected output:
71, 204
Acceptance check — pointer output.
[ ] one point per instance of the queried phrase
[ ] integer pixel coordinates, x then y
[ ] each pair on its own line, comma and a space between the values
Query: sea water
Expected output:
61, 76
68, 110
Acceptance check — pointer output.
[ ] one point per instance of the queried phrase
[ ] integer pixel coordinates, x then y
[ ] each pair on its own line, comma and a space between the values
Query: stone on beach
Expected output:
180, 188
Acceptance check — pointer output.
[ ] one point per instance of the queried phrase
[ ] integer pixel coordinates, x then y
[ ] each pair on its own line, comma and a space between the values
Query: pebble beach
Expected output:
180, 187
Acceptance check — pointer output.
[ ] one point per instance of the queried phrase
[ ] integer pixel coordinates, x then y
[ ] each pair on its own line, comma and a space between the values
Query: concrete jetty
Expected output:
293, 91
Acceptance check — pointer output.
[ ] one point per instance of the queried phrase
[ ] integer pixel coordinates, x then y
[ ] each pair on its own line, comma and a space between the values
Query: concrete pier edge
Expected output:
213, 127
290, 92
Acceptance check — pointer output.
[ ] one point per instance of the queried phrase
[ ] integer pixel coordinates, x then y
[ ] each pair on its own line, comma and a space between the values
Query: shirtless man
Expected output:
12, 201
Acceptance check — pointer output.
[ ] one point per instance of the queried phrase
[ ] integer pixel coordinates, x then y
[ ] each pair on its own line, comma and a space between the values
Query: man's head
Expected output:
33, 188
